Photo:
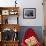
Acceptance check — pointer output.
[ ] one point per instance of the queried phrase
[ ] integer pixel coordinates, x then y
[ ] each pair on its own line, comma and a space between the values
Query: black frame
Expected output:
32, 10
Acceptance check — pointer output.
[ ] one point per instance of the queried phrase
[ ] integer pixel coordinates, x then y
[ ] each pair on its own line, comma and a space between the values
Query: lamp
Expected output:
15, 3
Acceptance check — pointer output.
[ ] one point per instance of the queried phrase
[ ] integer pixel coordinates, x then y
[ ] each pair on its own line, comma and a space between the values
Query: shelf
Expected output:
10, 26
11, 15
7, 23
11, 41
10, 19
5, 12
9, 10
5, 8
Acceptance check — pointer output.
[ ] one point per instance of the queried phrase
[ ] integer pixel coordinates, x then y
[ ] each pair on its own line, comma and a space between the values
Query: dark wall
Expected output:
37, 29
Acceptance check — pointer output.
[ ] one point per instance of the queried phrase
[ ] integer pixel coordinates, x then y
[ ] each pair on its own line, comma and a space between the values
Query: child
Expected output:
30, 39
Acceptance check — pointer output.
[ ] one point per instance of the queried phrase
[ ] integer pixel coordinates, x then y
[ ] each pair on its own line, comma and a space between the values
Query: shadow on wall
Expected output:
37, 29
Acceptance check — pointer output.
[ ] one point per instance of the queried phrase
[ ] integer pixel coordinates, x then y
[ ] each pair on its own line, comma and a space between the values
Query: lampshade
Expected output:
15, 30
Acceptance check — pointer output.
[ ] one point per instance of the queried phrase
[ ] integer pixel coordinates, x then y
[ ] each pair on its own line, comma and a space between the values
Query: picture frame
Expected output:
13, 12
29, 13
5, 12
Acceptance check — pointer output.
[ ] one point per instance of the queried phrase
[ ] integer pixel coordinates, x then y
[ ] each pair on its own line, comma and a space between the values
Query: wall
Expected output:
39, 13
27, 4
28, 22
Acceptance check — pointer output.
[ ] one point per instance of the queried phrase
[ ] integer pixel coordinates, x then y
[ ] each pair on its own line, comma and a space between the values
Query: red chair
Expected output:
29, 33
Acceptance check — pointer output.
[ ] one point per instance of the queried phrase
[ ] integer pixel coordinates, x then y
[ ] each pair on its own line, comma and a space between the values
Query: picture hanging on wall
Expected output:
29, 13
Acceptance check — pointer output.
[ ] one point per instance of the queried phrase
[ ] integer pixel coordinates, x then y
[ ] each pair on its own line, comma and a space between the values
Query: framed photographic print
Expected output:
13, 12
5, 12
29, 13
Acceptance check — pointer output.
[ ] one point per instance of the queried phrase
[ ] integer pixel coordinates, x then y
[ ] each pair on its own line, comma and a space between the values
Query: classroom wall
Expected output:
38, 21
